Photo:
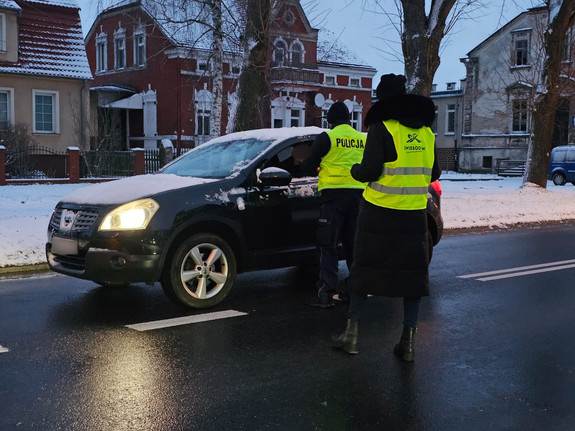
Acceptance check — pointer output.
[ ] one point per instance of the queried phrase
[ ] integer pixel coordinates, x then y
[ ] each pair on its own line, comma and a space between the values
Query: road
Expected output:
494, 351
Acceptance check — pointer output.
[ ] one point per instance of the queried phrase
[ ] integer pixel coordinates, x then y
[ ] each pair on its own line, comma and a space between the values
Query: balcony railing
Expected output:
290, 74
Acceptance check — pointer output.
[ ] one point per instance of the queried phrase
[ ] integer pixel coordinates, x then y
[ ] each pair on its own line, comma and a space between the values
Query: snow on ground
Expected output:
468, 201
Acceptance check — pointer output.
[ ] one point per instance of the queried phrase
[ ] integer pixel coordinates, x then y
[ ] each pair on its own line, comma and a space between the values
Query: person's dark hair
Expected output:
338, 113
390, 85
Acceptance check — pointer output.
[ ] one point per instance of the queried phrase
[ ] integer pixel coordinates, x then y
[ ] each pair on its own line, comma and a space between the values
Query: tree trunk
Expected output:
253, 88
546, 106
217, 67
420, 41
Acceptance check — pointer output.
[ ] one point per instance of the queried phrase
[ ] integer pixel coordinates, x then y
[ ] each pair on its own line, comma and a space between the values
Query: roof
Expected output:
50, 41
8, 4
62, 3
185, 26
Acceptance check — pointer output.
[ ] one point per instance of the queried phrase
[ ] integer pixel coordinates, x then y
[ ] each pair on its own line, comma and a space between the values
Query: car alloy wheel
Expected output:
201, 272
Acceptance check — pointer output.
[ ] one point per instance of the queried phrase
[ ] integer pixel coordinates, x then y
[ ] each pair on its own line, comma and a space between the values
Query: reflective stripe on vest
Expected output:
404, 182
346, 149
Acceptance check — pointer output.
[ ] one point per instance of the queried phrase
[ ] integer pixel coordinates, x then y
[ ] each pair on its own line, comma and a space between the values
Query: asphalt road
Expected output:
494, 351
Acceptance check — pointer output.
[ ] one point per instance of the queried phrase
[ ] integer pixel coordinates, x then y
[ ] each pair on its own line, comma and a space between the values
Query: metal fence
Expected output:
102, 164
35, 162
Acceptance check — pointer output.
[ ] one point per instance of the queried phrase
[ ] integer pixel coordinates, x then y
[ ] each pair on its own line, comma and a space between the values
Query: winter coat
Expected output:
391, 252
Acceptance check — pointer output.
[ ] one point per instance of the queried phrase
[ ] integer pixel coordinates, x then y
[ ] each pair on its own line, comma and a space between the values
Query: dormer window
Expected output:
2, 32
297, 53
140, 46
330, 80
101, 52
280, 50
354, 82
120, 48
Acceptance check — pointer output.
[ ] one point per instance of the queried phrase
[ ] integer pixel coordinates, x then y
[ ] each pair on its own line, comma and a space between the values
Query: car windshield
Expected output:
219, 159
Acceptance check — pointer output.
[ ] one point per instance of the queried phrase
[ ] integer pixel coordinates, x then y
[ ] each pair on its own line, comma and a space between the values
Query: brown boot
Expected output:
348, 339
405, 348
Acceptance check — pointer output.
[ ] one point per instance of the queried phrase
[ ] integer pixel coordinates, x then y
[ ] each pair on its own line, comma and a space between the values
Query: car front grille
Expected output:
75, 263
84, 219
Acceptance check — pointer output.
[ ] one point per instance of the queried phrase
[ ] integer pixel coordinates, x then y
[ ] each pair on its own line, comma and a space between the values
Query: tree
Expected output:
422, 34
253, 87
192, 23
561, 17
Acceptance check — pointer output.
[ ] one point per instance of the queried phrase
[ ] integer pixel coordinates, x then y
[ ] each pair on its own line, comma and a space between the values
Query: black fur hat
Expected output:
338, 113
390, 85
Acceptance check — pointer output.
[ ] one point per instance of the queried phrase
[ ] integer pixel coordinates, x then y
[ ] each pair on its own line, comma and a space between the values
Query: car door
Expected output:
282, 219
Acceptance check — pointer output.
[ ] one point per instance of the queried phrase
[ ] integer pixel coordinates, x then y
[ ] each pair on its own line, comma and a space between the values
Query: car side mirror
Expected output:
274, 177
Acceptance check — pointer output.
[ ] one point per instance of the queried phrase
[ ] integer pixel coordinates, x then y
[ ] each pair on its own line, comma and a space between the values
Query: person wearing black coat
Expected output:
391, 254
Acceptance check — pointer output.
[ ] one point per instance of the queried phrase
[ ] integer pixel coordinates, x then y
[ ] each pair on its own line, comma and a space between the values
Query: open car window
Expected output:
290, 158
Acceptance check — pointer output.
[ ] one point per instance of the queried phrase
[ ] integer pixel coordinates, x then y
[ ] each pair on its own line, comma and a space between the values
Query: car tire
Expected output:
200, 272
559, 179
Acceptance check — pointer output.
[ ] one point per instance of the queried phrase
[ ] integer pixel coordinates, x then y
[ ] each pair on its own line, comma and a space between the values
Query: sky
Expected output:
367, 31
468, 201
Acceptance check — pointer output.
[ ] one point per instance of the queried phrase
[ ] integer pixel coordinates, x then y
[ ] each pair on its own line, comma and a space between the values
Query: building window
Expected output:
520, 49
354, 82
297, 54
287, 111
101, 52
2, 32
204, 101
519, 116
487, 162
450, 120
356, 120
139, 47
434, 125
566, 54
329, 80
280, 50
202, 67
46, 111
6, 108
203, 122
120, 49
295, 117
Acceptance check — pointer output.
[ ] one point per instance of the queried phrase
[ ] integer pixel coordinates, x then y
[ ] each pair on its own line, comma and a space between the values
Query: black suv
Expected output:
228, 206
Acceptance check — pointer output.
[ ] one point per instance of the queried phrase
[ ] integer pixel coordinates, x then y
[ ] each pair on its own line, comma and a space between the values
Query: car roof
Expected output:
278, 134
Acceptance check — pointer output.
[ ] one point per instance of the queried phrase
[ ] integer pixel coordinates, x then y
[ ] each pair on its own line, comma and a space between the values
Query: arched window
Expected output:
280, 50
297, 53
204, 104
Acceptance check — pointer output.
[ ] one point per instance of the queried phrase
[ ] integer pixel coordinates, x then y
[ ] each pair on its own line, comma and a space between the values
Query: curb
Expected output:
24, 269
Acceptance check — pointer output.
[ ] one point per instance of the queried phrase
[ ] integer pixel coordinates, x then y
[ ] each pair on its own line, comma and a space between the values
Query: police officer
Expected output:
334, 152
391, 255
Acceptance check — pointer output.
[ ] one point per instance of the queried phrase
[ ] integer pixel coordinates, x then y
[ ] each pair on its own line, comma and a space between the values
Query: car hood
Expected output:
132, 188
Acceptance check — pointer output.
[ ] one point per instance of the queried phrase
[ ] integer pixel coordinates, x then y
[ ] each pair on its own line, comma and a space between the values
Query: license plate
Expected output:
63, 246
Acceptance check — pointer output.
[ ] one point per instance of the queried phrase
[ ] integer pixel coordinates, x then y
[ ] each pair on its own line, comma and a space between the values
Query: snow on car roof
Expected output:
274, 135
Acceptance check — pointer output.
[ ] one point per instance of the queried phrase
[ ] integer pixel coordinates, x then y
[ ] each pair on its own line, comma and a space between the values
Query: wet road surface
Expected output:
494, 351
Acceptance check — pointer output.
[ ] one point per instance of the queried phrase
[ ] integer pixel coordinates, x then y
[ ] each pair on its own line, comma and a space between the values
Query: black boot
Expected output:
348, 339
404, 349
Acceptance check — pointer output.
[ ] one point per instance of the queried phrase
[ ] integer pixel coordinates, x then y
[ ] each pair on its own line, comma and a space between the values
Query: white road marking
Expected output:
4, 350
186, 320
521, 270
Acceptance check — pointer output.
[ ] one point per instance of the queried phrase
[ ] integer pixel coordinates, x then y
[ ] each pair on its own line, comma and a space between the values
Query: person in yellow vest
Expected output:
334, 152
391, 254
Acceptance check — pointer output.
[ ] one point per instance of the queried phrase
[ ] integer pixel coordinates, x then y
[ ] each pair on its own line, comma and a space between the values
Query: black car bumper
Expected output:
105, 265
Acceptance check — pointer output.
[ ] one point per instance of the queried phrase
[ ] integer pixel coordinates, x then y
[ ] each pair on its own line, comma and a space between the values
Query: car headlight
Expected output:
131, 216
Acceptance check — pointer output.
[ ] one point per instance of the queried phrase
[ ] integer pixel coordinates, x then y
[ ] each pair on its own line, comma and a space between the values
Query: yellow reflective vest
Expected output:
347, 146
404, 182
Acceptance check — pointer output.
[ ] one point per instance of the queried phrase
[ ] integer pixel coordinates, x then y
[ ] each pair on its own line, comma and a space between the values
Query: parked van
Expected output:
562, 166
